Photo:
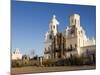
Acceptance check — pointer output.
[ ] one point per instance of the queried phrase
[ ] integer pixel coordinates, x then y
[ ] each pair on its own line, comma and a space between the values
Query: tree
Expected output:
35, 57
32, 54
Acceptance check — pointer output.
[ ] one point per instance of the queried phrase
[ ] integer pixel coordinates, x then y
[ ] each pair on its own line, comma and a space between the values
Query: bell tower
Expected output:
73, 33
53, 25
75, 20
74, 25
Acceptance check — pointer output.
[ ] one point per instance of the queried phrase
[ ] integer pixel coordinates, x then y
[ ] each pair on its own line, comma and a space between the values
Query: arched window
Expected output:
75, 45
50, 37
75, 21
72, 20
71, 47
54, 27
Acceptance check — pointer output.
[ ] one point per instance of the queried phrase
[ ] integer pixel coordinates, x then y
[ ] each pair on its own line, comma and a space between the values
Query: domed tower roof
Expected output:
54, 21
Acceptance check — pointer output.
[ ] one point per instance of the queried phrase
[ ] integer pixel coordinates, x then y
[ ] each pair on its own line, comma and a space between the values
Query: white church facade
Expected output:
73, 41
16, 55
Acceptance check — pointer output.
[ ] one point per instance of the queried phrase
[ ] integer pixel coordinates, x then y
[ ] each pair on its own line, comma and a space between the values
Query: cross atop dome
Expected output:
54, 16
54, 21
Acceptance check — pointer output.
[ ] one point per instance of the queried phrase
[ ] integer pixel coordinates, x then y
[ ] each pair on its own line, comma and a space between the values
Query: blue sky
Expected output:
30, 22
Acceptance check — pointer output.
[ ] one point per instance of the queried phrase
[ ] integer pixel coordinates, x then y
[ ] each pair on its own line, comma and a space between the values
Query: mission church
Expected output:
72, 42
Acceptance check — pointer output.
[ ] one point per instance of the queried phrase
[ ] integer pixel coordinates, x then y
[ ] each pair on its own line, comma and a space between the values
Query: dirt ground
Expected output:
31, 69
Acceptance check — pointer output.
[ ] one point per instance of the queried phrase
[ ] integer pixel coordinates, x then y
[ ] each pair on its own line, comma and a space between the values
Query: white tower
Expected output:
72, 36
75, 20
53, 25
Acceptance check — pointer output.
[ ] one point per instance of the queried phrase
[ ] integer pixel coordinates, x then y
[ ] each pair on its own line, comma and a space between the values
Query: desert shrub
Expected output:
77, 61
70, 61
49, 63
33, 63
16, 63
82, 60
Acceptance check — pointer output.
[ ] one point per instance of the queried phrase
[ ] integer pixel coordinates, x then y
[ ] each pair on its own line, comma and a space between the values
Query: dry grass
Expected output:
31, 69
